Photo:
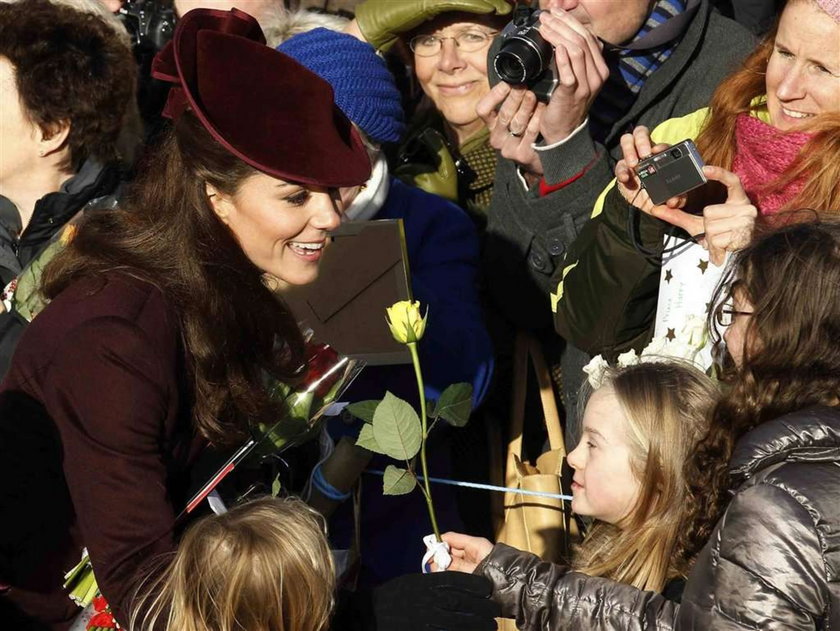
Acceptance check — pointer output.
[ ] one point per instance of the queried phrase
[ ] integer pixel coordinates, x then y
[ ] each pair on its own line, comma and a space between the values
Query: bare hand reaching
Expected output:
467, 552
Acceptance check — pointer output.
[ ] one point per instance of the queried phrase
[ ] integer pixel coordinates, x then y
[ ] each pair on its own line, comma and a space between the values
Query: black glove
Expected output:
442, 601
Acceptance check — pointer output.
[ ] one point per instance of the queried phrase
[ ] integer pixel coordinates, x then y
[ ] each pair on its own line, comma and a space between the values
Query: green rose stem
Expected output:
427, 491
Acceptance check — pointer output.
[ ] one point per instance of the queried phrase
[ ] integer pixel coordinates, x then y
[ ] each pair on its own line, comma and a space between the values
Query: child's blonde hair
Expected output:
263, 566
667, 405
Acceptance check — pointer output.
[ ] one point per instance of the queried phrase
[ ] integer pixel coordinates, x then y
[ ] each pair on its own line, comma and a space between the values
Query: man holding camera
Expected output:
618, 64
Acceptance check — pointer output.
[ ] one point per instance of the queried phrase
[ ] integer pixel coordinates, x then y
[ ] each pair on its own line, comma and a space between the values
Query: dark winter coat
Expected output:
96, 446
94, 185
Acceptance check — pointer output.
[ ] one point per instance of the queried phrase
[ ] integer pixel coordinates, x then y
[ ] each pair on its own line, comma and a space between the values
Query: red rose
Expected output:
102, 620
319, 359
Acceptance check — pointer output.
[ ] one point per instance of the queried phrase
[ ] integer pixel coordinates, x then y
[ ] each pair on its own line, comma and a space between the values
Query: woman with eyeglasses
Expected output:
446, 150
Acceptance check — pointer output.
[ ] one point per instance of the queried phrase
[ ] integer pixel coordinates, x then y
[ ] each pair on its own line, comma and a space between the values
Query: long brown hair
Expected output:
262, 566
235, 330
667, 405
791, 358
816, 162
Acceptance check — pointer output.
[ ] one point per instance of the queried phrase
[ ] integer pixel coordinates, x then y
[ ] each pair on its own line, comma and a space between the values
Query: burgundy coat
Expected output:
95, 445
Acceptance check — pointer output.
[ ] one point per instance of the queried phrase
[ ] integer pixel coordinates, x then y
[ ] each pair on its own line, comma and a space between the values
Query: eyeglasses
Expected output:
466, 41
725, 316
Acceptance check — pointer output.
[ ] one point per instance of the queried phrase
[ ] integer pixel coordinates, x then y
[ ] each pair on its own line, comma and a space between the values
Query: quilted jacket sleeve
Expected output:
544, 596
763, 568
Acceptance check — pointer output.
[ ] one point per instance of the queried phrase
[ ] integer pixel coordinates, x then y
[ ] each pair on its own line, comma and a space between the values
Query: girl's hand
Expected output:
467, 552
635, 147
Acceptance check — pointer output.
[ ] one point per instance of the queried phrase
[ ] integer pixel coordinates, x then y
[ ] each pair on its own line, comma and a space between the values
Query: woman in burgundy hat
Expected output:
161, 327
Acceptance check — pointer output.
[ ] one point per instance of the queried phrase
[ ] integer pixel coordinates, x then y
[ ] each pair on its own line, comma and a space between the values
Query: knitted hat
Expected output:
363, 86
832, 7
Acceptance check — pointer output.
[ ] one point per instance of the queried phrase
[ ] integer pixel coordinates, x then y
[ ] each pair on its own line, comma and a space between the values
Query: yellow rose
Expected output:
405, 321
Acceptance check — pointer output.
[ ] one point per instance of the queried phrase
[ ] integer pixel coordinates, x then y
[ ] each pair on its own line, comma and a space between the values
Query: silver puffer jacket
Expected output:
773, 560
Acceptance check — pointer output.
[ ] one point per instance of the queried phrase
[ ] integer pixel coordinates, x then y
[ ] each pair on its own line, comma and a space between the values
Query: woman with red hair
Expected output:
772, 134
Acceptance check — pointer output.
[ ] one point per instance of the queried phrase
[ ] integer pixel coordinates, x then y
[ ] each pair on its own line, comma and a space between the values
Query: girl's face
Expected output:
281, 226
453, 79
803, 73
735, 335
604, 485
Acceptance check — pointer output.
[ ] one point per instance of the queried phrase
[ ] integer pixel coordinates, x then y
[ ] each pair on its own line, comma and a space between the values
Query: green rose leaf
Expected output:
397, 481
455, 404
396, 428
300, 404
367, 440
363, 410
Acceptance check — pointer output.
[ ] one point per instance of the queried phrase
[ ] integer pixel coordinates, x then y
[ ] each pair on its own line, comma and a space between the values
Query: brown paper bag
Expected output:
540, 525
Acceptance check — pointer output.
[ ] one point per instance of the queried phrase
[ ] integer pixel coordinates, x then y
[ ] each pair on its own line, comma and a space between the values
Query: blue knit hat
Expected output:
364, 88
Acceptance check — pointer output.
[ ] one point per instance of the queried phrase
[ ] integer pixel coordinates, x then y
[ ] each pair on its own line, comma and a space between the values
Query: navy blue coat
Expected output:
443, 259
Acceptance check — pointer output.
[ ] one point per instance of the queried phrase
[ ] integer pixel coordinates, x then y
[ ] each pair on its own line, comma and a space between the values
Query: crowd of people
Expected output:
154, 210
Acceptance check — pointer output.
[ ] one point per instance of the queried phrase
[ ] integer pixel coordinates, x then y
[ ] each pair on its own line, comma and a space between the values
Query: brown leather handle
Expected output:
526, 346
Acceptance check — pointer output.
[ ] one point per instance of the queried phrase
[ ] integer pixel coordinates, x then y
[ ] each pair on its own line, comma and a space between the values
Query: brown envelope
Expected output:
364, 270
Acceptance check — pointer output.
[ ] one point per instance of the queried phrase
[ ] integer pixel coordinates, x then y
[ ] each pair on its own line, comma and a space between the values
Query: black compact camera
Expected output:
150, 23
522, 56
672, 172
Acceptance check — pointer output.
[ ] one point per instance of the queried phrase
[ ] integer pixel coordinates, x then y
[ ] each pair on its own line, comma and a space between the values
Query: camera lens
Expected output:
522, 60
676, 153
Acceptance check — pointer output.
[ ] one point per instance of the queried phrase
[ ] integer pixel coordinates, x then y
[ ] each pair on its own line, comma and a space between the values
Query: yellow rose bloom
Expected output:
406, 323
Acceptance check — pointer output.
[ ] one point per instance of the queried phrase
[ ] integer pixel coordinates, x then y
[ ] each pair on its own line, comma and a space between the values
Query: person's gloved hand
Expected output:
382, 21
449, 601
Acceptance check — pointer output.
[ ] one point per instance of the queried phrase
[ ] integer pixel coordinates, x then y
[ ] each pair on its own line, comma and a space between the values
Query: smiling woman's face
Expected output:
281, 226
453, 79
803, 73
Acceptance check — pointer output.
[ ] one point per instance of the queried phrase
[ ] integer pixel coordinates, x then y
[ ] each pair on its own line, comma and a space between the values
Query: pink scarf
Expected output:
763, 154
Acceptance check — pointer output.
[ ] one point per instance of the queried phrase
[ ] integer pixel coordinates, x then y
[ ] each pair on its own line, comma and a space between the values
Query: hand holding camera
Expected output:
516, 124
546, 73
581, 73
722, 228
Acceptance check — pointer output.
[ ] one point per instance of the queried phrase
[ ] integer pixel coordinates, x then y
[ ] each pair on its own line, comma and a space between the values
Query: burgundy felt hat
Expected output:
261, 105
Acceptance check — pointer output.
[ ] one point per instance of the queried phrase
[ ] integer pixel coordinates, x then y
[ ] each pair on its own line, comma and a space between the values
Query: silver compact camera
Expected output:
672, 172
523, 57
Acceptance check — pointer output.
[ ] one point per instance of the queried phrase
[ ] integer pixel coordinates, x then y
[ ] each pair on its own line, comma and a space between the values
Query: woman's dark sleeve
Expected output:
606, 290
108, 392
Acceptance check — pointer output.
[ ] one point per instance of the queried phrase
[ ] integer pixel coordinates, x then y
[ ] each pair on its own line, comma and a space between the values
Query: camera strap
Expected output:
666, 32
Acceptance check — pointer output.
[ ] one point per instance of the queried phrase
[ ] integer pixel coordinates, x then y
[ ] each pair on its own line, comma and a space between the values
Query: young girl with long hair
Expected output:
161, 330
263, 566
764, 480
639, 426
